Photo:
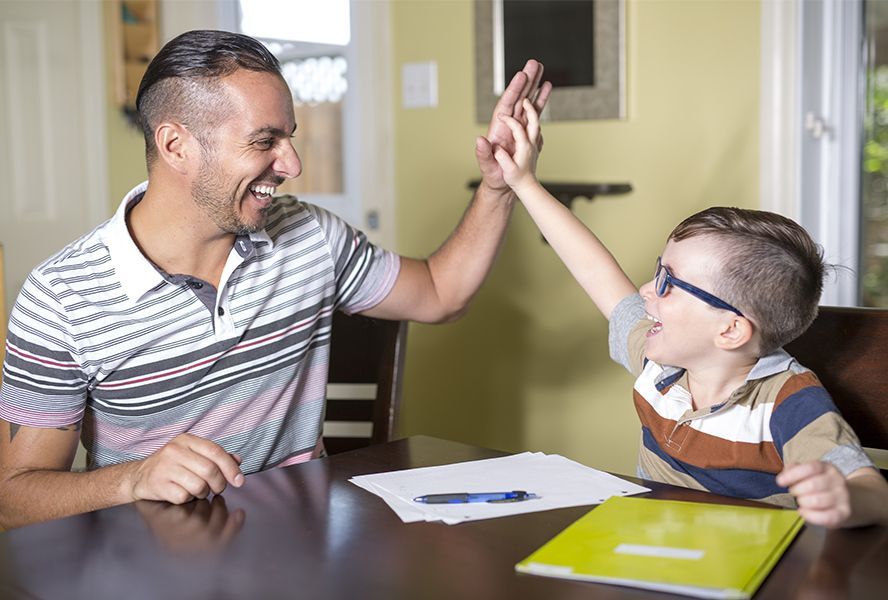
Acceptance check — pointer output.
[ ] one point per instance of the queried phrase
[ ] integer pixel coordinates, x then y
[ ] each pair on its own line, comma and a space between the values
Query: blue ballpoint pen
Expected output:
466, 497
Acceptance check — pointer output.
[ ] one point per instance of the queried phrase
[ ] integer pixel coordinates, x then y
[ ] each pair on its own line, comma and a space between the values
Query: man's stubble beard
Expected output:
208, 192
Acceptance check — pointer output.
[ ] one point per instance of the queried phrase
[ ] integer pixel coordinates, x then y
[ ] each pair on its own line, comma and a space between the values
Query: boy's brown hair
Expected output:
771, 269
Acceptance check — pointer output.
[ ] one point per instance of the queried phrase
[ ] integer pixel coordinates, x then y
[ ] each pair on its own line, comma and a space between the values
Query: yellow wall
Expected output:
527, 368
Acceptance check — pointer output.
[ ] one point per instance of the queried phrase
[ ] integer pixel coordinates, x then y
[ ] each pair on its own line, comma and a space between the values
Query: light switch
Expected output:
419, 85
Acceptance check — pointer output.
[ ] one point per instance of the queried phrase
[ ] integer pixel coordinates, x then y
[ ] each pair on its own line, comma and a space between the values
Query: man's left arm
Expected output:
439, 288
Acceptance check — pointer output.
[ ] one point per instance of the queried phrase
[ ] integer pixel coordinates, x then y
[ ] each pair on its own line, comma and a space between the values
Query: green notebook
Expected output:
704, 550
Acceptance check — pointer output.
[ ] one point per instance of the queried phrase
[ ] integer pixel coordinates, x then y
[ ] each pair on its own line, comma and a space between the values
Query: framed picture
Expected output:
580, 42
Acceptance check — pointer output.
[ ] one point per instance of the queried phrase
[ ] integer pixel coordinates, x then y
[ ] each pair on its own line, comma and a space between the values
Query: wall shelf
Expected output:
568, 193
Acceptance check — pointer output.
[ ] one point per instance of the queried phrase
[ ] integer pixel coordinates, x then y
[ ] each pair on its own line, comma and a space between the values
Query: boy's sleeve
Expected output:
806, 426
365, 273
627, 326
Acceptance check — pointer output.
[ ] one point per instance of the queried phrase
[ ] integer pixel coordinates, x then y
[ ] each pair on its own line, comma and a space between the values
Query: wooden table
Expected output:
305, 532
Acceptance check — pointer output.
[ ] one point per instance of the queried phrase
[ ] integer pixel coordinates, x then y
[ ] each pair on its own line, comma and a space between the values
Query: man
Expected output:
189, 334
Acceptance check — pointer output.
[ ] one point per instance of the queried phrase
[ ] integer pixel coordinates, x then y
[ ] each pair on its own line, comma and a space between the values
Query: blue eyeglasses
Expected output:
663, 278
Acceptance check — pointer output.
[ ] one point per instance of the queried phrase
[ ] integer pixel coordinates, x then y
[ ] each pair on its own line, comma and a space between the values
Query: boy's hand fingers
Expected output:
504, 160
820, 490
517, 130
533, 121
795, 473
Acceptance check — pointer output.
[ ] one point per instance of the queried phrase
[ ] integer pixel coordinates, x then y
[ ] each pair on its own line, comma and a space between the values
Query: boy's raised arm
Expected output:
587, 259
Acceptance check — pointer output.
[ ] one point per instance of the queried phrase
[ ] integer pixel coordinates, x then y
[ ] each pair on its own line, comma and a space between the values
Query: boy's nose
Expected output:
647, 290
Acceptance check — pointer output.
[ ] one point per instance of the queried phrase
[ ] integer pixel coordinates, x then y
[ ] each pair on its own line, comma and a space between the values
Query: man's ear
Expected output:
175, 146
735, 333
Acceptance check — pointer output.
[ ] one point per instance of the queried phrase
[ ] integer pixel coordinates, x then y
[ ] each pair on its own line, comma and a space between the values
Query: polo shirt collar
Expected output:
137, 274
770, 364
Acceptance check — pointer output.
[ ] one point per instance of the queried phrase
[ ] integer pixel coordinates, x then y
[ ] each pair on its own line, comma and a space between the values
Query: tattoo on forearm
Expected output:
74, 427
13, 429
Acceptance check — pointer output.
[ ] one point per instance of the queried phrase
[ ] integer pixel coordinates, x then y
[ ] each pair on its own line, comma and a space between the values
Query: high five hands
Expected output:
524, 85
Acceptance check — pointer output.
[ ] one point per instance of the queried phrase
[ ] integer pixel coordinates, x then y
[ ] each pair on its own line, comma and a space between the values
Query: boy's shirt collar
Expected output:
766, 366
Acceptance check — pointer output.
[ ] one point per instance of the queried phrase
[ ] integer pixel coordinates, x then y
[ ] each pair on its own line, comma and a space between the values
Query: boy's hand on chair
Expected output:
820, 490
519, 168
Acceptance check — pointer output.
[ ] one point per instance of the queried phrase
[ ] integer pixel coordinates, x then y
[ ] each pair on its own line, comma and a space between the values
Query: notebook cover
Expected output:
704, 550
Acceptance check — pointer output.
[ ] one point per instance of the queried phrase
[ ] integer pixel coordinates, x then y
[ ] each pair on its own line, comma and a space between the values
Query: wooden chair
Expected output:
364, 386
848, 350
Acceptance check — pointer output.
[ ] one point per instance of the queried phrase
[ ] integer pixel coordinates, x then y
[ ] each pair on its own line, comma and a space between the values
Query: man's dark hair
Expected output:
182, 82
770, 268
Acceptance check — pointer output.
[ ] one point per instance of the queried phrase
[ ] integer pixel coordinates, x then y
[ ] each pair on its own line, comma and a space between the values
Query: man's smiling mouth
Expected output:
262, 191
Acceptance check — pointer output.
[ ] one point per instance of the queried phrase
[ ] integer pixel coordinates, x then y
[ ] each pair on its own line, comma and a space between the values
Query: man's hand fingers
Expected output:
542, 96
174, 493
483, 148
534, 72
195, 484
512, 95
222, 461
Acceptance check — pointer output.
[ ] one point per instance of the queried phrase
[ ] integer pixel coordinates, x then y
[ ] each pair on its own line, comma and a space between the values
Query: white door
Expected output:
52, 133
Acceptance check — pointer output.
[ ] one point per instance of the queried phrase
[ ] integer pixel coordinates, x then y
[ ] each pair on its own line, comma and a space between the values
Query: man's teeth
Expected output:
263, 190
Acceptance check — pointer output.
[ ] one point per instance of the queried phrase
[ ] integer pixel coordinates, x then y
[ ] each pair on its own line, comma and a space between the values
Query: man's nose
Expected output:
287, 164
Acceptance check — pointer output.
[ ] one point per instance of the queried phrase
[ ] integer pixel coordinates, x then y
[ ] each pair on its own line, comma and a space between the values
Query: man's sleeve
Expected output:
806, 426
365, 273
43, 383
626, 333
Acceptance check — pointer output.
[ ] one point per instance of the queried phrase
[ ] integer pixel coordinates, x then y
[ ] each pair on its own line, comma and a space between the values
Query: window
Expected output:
309, 38
874, 176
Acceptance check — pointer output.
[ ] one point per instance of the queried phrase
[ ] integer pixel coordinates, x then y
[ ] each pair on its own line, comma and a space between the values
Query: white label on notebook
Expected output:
660, 551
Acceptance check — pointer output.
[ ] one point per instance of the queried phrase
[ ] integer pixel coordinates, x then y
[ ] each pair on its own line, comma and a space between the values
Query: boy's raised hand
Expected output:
519, 168
820, 490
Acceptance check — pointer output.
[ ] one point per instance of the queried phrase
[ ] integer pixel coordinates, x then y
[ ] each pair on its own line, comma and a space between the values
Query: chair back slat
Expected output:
848, 350
364, 384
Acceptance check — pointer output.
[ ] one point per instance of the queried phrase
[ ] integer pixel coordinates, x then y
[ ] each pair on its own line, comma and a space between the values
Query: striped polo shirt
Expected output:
100, 335
780, 415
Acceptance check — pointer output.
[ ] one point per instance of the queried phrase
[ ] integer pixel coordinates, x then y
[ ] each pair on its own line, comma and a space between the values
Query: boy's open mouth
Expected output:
656, 327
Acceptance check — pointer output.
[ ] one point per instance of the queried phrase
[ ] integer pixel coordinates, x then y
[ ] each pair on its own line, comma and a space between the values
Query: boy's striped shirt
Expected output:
780, 415
98, 333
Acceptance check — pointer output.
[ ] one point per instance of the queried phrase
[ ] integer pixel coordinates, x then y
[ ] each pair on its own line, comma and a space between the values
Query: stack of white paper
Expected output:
558, 481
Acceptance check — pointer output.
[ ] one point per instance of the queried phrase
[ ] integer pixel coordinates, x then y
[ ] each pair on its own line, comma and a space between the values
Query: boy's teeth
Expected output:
657, 326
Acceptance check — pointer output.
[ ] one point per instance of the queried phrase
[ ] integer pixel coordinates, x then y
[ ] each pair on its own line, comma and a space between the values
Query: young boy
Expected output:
723, 407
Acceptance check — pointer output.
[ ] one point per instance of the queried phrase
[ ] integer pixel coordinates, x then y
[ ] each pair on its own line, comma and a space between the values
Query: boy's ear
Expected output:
175, 146
735, 333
